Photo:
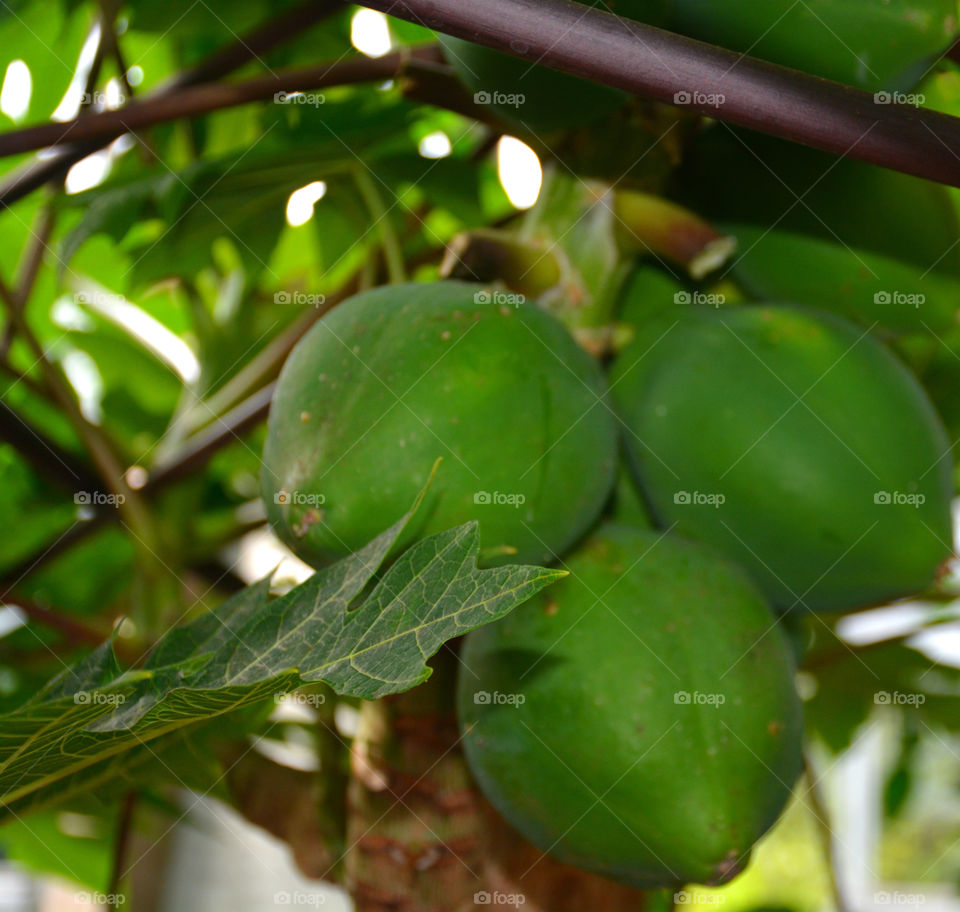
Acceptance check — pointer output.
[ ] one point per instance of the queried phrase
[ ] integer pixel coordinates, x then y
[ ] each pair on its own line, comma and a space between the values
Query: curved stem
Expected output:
396, 270
289, 24
822, 815
192, 102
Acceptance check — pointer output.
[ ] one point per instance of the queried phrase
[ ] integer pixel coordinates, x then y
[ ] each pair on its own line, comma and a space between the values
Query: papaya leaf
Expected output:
364, 633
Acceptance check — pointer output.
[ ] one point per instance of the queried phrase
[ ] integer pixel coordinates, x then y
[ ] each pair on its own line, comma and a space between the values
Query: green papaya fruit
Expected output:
395, 378
870, 44
640, 719
795, 443
874, 245
873, 290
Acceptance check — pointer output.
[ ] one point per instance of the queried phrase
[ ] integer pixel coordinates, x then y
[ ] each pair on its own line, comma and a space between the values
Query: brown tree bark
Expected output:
420, 836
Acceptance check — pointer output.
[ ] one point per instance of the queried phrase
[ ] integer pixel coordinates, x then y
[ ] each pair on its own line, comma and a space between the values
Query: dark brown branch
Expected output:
33, 562
656, 64
204, 445
292, 23
37, 388
74, 631
289, 24
46, 456
121, 849
192, 102
29, 267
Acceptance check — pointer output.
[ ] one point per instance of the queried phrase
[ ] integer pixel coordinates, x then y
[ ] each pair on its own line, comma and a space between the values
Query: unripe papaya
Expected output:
873, 245
796, 444
640, 719
395, 378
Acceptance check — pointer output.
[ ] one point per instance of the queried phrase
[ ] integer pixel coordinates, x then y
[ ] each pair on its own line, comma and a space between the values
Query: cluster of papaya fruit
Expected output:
724, 469
639, 719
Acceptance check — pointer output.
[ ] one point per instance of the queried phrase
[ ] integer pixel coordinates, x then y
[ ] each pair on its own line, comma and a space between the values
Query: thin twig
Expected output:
121, 845
95, 441
822, 815
29, 267
289, 24
192, 102
50, 552
74, 631
201, 448
45, 455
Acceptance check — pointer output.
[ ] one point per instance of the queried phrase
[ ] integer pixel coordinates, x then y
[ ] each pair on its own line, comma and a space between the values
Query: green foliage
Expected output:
79, 731
170, 291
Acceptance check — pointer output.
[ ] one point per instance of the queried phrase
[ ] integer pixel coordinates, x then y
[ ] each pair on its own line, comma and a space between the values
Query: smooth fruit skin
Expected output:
395, 378
795, 443
592, 719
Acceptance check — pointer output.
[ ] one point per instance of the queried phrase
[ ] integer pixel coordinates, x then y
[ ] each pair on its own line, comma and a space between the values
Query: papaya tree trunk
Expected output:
420, 836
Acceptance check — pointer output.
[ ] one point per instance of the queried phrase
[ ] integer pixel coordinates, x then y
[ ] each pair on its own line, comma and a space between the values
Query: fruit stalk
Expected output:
486, 255
653, 63
654, 225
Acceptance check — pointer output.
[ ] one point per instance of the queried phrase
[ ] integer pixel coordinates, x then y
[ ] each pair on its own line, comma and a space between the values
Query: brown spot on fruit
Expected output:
726, 870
